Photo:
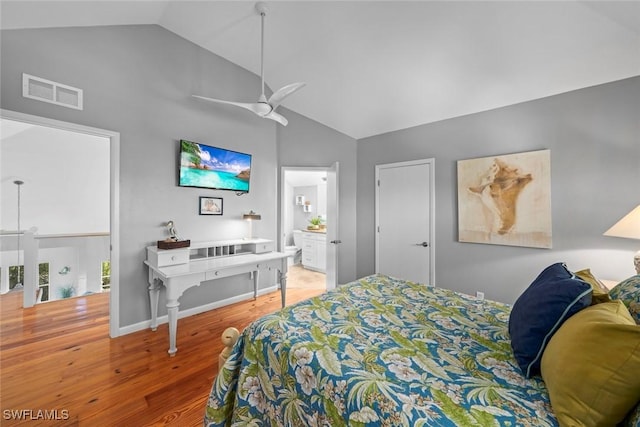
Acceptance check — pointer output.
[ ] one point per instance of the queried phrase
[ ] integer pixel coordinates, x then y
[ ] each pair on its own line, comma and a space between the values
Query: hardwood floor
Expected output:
58, 358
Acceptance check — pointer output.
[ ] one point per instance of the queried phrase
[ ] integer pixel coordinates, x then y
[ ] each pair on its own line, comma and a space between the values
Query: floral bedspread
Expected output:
378, 351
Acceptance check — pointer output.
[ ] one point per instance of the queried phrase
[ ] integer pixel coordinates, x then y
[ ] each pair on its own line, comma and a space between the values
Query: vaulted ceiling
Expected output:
377, 66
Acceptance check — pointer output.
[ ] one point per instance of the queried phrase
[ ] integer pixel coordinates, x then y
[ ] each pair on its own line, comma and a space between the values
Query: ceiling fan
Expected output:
263, 108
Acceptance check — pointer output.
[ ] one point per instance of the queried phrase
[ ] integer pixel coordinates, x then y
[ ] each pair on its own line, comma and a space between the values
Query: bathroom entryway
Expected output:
299, 277
309, 226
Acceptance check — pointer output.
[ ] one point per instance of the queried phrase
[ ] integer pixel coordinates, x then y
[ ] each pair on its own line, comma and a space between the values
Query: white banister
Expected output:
30, 245
72, 235
81, 254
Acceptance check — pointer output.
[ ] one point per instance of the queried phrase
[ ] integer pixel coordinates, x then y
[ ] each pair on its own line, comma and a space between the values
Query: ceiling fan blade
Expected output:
283, 92
277, 117
254, 107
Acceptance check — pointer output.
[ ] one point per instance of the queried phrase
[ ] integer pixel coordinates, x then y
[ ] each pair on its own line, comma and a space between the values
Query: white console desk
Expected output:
181, 269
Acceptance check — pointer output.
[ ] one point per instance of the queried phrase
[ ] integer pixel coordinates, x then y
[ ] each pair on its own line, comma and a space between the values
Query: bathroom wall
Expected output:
300, 217
316, 195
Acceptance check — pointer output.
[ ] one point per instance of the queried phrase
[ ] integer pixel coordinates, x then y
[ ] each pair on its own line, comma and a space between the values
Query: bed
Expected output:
379, 351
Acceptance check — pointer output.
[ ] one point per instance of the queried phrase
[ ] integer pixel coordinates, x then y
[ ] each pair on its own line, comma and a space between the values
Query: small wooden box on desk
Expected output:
207, 250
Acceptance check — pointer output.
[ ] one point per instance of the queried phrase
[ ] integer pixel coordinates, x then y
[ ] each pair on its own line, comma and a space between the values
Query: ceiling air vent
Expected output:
47, 91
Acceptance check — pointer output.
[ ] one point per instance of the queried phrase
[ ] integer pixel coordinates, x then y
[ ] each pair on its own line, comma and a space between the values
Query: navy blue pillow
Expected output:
554, 296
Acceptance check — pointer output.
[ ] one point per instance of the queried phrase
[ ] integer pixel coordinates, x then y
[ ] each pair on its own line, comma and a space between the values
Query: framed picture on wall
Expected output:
210, 205
506, 200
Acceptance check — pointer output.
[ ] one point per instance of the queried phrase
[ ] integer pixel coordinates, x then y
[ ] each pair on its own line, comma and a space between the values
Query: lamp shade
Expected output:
251, 216
628, 226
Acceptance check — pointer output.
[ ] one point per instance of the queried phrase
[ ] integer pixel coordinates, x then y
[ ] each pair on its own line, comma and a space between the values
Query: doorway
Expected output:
78, 247
405, 209
309, 219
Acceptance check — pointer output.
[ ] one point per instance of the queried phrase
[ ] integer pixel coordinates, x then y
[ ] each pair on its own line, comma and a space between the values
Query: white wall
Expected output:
65, 192
316, 195
66, 180
300, 217
289, 209
322, 201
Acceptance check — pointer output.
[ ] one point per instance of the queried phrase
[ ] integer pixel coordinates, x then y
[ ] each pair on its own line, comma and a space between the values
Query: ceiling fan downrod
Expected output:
262, 9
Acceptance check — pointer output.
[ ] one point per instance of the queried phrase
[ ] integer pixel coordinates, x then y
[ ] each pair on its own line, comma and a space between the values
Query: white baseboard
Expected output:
124, 330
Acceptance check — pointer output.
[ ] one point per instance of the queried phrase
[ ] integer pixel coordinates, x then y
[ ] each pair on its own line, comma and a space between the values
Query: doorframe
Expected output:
432, 211
281, 243
114, 199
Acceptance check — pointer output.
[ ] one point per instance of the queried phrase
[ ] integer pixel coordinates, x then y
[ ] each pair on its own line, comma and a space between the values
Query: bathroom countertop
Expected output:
315, 231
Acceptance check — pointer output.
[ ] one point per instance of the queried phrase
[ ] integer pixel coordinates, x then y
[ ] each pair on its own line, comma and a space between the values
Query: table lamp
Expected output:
251, 216
628, 227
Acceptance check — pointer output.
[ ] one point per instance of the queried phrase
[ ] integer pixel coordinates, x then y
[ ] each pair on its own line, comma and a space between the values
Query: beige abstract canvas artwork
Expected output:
506, 199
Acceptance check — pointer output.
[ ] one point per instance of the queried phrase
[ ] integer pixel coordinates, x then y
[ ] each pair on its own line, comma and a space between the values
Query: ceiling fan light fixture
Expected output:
262, 109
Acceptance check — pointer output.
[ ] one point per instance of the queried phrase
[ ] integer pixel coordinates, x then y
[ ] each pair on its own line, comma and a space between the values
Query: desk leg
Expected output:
283, 286
172, 311
256, 277
154, 293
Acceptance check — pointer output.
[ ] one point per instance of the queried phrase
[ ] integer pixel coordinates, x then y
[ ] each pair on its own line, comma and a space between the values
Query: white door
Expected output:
404, 220
333, 236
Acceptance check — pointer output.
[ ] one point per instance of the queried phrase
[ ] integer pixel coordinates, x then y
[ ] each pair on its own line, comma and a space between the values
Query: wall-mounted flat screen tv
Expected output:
204, 166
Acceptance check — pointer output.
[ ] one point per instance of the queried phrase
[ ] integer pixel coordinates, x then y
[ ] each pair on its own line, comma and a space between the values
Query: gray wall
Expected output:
307, 143
594, 138
138, 81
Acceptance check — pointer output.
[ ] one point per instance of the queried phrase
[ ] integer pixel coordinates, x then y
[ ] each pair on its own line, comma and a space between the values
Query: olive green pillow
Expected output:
591, 366
600, 291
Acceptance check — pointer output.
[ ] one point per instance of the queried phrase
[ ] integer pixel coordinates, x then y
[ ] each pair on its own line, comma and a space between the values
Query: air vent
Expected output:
47, 91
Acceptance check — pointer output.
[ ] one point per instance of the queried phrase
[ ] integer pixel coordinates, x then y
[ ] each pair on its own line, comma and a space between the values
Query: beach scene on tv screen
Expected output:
212, 167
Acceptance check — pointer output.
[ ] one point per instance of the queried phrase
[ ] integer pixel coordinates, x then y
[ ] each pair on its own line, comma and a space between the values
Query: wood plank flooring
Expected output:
57, 357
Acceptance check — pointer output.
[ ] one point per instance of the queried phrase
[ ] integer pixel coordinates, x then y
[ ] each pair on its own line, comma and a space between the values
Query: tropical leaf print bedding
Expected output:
378, 352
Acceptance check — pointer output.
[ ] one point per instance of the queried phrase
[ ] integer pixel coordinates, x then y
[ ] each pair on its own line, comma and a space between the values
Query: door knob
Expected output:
335, 242
423, 244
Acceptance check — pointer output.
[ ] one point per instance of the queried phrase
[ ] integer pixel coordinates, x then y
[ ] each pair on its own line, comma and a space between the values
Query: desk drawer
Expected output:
264, 247
226, 272
165, 258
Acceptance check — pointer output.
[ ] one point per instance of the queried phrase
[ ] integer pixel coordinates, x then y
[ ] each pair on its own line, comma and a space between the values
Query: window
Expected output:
43, 281
106, 275
16, 275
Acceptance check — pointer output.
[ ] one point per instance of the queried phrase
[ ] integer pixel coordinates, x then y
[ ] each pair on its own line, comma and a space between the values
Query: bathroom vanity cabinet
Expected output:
314, 251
